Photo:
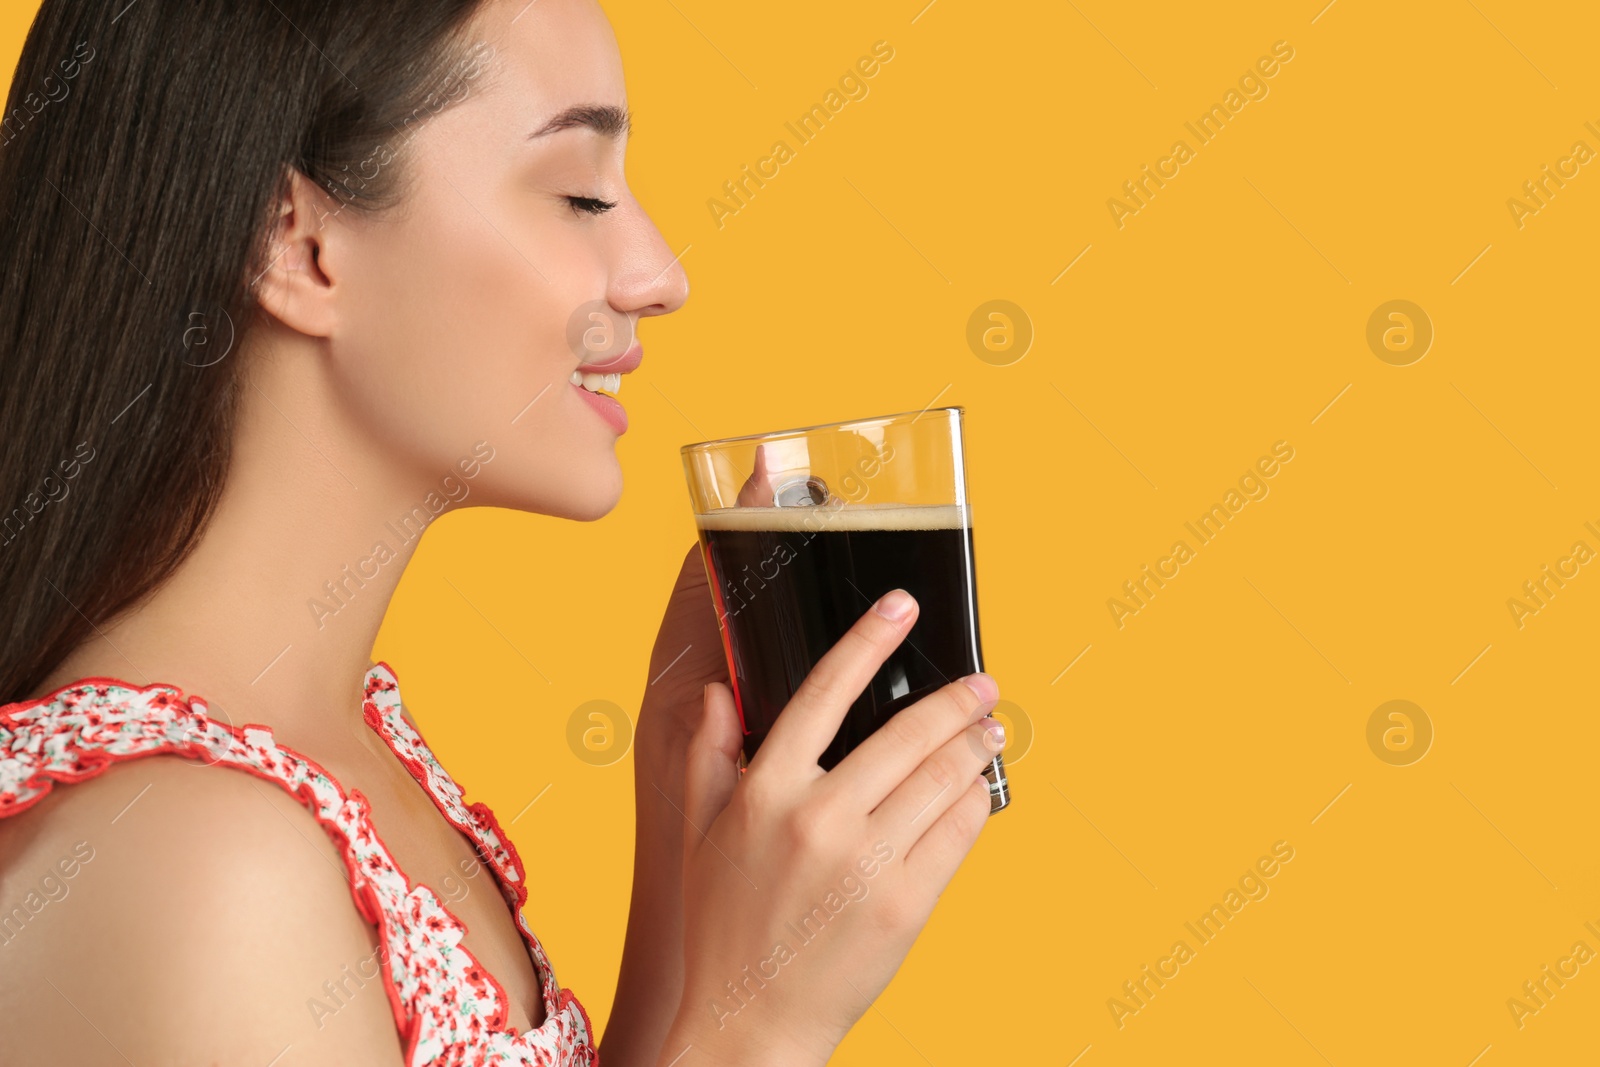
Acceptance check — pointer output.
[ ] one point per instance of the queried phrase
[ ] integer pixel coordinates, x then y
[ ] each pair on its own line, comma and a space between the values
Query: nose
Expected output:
651, 279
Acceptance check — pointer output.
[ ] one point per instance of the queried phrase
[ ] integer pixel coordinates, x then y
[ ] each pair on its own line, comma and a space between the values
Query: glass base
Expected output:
994, 774
999, 788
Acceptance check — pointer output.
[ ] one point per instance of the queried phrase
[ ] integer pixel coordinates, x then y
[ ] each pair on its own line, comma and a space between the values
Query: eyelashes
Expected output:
589, 205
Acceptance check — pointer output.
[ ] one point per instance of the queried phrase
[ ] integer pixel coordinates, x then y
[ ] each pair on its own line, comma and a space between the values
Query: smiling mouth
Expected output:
606, 384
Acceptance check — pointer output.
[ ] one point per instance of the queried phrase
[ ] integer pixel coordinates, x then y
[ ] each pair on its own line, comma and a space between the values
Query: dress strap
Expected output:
447, 1008
385, 713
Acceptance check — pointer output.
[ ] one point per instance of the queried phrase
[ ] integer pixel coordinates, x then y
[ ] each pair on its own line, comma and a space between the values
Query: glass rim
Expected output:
869, 420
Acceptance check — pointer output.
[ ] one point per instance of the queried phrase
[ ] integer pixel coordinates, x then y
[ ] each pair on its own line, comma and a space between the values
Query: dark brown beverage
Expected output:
789, 581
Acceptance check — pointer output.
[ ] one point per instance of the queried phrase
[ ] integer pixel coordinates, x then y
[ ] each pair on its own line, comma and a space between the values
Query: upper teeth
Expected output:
611, 383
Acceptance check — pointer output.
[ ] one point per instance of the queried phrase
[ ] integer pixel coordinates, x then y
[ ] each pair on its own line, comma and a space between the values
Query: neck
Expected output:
273, 616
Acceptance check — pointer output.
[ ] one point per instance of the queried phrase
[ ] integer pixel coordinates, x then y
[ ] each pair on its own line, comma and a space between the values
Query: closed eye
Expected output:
589, 205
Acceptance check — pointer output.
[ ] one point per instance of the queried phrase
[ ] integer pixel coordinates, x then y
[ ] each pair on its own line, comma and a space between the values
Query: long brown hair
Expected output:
142, 150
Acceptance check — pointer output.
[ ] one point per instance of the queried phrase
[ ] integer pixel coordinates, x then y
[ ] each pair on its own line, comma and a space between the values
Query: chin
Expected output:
586, 508
584, 495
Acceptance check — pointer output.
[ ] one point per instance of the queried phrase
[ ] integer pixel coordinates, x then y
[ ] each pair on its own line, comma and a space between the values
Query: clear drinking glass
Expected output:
803, 530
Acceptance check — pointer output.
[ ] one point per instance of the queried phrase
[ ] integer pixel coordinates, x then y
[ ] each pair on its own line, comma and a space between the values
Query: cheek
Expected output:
445, 325
451, 333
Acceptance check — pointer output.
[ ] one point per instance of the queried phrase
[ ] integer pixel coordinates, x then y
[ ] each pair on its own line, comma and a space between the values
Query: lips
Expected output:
607, 407
589, 379
622, 364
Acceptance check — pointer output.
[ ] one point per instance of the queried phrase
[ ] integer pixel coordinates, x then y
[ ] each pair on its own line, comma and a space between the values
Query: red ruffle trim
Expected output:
94, 761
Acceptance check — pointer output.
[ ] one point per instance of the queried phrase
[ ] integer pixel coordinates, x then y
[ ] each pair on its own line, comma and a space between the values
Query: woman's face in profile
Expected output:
467, 307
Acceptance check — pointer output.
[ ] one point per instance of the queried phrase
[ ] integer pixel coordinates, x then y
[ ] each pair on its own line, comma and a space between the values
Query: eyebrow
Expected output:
607, 120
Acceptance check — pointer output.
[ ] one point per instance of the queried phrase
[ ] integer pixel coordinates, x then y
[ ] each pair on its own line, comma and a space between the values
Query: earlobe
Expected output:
296, 285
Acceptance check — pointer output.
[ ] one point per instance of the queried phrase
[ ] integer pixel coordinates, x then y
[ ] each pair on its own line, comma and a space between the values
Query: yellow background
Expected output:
1223, 317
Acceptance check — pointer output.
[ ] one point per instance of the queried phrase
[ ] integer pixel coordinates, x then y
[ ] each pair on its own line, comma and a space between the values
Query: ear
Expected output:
299, 286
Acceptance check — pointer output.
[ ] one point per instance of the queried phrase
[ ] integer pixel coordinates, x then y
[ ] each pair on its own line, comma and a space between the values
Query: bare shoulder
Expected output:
165, 911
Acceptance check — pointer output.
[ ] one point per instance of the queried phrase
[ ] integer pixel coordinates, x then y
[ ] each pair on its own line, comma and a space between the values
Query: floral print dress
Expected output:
448, 1009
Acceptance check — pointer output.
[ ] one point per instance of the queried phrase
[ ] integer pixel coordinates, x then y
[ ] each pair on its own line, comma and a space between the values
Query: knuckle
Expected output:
977, 799
968, 816
820, 686
825, 682
977, 736
757, 796
808, 827
866, 641
904, 731
864, 637
961, 697
873, 634
968, 698
940, 770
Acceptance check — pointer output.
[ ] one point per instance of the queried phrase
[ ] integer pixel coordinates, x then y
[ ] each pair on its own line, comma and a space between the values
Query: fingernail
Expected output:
983, 685
894, 605
997, 733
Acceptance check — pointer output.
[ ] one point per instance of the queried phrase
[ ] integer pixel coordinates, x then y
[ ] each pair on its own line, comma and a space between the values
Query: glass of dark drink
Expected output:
803, 530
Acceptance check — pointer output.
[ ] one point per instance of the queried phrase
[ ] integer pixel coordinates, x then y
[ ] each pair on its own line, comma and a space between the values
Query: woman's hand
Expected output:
687, 655
805, 889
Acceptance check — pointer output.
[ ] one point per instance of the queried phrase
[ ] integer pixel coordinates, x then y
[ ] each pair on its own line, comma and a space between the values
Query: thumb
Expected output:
713, 762
757, 489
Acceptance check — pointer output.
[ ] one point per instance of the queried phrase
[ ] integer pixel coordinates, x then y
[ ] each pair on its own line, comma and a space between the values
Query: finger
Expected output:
934, 858
693, 570
712, 771
688, 648
916, 804
757, 489
895, 749
808, 723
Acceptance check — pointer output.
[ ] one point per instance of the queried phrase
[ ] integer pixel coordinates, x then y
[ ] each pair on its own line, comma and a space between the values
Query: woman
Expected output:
280, 273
